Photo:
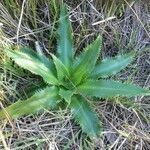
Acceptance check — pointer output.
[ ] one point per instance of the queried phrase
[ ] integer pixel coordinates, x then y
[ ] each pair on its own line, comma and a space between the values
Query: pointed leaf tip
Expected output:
44, 99
66, 94
62, 70
111, 66
30, 60
110, 88
86, 61
65, 41
87, 119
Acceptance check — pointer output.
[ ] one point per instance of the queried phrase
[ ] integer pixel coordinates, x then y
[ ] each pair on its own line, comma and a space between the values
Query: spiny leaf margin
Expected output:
111, 66
86, 61
44, 99
83, 114
65, 49
109, 88
30, 60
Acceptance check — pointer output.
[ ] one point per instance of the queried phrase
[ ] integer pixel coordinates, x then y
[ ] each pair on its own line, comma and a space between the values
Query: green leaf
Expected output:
111, 66
44, 99
110, 88
62, 71
28, 59
83, 114
86, 61
66, 94
65, 41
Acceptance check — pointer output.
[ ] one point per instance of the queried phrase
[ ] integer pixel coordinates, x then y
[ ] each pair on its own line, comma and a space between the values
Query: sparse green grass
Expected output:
126, 126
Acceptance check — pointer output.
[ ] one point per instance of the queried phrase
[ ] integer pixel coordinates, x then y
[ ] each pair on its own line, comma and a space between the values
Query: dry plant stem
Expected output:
7, 115
138, 19
19, 24
2, 138
105, 20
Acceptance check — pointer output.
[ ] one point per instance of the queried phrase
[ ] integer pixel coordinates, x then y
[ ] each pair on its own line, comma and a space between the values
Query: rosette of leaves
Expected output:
71, 79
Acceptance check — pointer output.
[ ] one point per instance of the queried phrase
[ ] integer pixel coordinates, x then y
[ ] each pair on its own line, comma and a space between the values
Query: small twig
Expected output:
19, 24
3, 140
102, 21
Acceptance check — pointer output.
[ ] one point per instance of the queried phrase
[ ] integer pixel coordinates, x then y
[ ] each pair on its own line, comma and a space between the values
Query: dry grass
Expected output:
124, 27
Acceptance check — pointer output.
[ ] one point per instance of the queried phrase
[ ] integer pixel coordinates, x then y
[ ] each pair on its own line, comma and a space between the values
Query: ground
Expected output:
124, 26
